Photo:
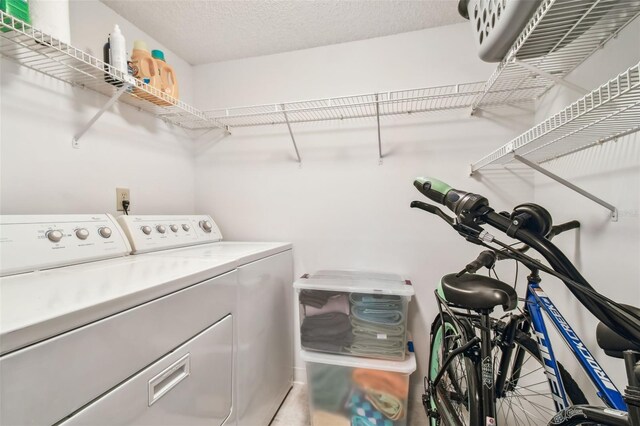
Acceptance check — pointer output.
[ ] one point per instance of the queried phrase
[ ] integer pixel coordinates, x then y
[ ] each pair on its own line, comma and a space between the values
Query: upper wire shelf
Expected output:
559, 37
401, 102
609, 112
33, 49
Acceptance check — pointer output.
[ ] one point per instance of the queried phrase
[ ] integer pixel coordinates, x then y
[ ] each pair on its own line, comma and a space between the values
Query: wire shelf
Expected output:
609, 112
33, 49
404, 102
558, 38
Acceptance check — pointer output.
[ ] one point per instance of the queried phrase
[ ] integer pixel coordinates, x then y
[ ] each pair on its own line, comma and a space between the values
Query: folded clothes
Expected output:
364, 414
337, 303
324, 418
326, 332
329, 386
395, 384
316, 298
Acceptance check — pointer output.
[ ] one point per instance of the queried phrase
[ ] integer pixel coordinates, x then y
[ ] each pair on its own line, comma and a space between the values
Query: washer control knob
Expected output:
54, 236
161, 229
146, 229
205, 225
104, 232
186, 227
82, 233
174, 228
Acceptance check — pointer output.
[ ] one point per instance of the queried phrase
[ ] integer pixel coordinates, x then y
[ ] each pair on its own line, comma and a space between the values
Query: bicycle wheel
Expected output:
527, 398
455, 398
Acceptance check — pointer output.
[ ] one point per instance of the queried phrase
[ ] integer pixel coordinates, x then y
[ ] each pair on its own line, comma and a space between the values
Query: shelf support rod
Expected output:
76, 138
552, 77
614, 211
379, 138
293, 139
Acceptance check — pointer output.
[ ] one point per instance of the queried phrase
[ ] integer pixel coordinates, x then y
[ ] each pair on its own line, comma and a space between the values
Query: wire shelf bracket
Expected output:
556, 79
293, 139
536, 167
75, 142
379, 137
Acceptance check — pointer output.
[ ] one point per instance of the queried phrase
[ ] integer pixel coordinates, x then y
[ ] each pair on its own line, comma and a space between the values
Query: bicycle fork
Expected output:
486, 367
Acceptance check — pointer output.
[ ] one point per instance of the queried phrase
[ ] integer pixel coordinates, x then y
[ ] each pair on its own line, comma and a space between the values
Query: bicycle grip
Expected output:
486, 258
433, 189
558, 229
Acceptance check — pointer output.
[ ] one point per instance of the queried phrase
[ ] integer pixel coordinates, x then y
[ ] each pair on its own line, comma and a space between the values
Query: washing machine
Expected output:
264, 312
90, 335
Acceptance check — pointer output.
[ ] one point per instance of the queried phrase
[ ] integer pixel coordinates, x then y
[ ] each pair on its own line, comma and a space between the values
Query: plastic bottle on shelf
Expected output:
118, 50
168, 81
145, 69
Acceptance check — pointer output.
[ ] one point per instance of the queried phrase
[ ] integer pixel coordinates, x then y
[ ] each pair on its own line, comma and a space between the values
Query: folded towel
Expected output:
339, 303
364, 414
377, 301
329, 386
395, 384
392, 349
389, 405
381, 309
316, 298
374, 330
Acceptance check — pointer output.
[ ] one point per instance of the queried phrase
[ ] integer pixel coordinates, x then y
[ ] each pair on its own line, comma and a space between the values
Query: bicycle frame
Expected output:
537, 302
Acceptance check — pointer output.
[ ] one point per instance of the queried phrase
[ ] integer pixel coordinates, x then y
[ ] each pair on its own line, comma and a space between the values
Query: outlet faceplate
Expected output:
122, 194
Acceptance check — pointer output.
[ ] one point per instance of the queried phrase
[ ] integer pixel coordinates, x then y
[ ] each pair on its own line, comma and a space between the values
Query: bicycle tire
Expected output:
456, 399
529, 401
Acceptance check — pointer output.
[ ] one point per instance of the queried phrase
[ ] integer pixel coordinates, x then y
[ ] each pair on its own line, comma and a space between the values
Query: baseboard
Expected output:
299, 375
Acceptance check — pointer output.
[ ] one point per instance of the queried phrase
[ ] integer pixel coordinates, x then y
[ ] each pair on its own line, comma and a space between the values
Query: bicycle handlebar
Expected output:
472, 210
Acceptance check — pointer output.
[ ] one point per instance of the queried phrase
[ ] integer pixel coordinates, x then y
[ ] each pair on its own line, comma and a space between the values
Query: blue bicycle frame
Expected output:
537, 301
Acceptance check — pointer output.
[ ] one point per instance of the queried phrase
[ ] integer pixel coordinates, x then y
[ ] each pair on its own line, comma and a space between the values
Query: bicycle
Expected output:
468, 345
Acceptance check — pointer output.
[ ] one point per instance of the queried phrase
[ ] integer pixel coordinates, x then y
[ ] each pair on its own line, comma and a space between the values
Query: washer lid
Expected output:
356, 282
407, 366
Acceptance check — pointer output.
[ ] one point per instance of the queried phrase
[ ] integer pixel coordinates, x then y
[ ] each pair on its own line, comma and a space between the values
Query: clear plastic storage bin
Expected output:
348, 391
354, 313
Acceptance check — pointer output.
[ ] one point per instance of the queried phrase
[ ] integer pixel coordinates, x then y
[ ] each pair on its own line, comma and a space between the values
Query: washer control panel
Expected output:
154, 232
33, 242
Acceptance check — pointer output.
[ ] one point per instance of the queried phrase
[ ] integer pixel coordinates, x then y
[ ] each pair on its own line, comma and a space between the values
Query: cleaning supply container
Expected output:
19, 9
168, 81
145, 69
346, 391
354, 313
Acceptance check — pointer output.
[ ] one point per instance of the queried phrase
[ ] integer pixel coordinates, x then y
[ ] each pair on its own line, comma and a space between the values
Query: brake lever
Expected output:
430, 208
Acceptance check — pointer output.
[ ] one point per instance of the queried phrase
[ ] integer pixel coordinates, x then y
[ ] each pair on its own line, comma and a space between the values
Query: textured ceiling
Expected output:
211, 31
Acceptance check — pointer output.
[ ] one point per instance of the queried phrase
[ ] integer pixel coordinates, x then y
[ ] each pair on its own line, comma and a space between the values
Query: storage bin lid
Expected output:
407, 366
355, 282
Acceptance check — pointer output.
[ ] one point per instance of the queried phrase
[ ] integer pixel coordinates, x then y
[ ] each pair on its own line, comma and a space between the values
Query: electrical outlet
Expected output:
122, 194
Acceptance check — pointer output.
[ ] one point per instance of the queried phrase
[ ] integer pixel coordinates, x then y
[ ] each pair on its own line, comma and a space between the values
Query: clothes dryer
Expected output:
264, 293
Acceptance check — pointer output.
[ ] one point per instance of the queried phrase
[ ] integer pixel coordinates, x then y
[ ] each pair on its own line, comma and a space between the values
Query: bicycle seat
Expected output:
612, 343
472, 291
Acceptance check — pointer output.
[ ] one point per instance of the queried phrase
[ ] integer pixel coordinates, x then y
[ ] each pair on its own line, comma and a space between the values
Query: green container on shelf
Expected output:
18, 9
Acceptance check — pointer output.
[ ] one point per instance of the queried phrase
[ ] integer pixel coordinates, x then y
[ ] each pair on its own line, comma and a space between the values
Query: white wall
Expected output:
340, 208
607, 253
41, 173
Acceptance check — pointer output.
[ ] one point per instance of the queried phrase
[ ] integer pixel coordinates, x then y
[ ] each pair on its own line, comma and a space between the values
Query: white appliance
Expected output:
264, 314
89, 335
